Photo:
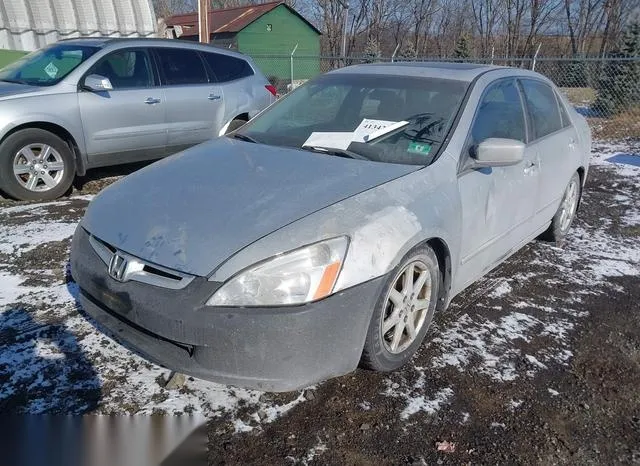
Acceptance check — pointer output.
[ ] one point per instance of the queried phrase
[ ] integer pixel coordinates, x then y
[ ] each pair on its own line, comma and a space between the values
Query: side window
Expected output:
126, 69
227, 68
564, 116
543, 108
500, 114
181, 66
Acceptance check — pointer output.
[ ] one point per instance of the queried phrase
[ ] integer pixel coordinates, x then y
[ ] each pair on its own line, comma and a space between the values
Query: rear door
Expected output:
128, 122
555, 141
498, 203
244, 91
195, 103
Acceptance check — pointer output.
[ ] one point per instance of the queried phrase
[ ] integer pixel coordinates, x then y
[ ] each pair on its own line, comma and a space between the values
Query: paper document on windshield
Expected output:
369, 130
329, 140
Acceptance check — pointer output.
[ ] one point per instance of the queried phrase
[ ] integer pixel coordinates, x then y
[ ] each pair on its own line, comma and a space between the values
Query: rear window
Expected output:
227, 68
181, 66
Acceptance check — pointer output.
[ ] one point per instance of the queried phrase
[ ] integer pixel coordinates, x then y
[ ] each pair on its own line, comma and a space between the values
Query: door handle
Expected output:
530, 168
151, 101
214, 97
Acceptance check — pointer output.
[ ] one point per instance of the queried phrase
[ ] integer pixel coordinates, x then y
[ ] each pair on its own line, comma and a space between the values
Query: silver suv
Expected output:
86, 103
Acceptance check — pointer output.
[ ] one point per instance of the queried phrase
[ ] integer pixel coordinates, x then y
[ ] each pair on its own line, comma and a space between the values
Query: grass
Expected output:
9, 56
579, 95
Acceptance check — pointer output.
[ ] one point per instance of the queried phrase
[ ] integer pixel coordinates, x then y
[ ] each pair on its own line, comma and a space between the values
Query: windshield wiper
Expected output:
337, 152
244, 137
16, 81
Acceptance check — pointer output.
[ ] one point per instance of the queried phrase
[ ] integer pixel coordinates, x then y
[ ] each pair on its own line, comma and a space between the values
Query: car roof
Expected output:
116, 42
443, 70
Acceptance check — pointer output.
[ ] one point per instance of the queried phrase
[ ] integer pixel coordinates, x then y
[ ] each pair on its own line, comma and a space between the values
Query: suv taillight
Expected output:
272, 89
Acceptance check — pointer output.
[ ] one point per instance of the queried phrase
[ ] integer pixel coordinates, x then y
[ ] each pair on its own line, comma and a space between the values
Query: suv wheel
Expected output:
35, 165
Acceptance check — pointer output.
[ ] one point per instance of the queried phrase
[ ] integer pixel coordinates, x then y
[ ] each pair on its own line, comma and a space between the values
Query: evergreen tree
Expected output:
407, 51
619, 85
462, 50
372, 51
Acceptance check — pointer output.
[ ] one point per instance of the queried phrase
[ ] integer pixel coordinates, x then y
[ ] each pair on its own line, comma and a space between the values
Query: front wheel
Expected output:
403, 312
35, 165
566, 213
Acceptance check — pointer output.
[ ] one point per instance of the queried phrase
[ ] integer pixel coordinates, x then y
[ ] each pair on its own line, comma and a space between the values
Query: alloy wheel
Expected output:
406, 307
38, 167
569, 205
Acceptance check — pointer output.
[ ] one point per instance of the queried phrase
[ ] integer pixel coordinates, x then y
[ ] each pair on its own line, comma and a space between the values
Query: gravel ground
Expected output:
537, 363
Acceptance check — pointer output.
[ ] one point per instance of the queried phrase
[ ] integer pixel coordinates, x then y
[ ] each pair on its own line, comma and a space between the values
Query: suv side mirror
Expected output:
498, 152
97, 83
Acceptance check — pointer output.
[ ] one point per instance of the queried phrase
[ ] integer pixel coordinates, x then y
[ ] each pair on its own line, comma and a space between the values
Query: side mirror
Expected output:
498, 152
97, 83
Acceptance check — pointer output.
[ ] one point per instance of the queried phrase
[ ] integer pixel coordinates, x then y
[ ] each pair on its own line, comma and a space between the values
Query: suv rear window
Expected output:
181, 66
227, 68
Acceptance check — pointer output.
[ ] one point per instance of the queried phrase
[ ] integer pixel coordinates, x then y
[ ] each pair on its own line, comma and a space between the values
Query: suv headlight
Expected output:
295, 277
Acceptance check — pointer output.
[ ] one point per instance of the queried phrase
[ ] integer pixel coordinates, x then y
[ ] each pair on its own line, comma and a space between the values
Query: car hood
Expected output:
9, 89
192, 211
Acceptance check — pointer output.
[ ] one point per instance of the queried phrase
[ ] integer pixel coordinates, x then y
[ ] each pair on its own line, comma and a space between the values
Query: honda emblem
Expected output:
118, 267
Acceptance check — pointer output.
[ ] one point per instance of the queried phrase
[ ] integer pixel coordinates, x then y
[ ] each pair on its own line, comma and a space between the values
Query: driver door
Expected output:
498, 203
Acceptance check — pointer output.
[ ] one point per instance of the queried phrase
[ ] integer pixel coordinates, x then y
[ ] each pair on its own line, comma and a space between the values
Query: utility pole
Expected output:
203, 21
345, 5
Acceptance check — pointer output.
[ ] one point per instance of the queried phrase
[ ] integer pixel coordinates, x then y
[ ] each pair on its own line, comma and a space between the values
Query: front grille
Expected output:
135, 269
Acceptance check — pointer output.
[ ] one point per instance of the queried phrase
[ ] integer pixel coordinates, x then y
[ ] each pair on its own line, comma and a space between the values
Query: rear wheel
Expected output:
563, 218
35, 165
403, 312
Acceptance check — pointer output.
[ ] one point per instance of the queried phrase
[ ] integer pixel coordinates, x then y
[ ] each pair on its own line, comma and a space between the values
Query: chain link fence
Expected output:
606, 91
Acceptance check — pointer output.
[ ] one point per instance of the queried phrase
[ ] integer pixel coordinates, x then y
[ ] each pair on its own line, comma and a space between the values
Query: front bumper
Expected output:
271, 349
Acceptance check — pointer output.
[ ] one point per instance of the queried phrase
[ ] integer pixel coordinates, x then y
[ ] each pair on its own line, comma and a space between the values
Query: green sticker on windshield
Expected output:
418, 148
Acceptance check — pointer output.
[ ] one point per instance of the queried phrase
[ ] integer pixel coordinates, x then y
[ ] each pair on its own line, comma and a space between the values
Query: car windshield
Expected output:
47, 66
353, 111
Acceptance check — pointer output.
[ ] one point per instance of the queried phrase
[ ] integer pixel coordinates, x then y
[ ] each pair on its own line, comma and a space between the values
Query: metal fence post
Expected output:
535, 55
291, 58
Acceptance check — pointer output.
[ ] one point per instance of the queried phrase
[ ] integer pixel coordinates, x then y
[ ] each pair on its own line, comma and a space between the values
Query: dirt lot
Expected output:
537, 363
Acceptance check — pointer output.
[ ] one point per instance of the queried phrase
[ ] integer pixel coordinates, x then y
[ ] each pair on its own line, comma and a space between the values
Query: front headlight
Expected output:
296, 277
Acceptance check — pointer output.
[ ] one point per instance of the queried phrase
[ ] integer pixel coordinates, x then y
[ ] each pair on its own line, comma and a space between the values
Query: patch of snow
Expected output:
498, 425
25, 237
315, 451
553, 392
365, 406
429, 405
515, 404
501, 290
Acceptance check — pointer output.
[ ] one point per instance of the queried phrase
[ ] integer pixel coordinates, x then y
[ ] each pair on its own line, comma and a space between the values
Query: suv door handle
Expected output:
531, 167
214, 97
151, 101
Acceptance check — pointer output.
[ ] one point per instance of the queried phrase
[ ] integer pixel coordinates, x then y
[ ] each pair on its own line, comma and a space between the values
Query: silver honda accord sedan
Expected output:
326, 232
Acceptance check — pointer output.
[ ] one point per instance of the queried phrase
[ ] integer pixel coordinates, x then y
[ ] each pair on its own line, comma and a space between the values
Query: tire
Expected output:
566, 213
234, 125
379, 353
26, 156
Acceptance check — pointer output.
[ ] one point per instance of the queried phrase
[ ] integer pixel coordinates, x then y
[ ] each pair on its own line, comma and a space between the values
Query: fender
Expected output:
43, 119
382, 223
